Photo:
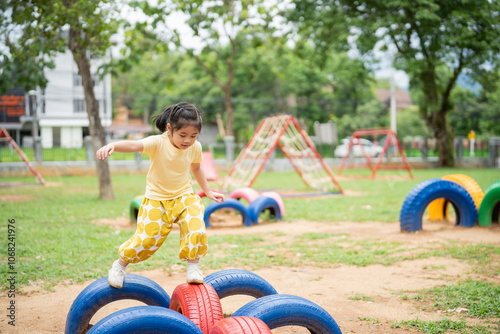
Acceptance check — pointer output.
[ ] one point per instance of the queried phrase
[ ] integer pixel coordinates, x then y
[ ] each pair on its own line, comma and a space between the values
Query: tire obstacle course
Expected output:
196, 308
462, 192
257, 204
438, 209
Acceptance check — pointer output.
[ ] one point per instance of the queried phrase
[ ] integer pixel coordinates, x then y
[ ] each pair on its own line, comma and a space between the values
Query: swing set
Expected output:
391, 140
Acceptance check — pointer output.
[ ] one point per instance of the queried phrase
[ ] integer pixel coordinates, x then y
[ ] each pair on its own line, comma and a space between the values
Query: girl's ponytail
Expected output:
161, 120
178, 115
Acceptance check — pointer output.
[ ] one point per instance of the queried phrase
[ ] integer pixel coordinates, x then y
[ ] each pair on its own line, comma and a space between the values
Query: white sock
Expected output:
118, 265
192, 265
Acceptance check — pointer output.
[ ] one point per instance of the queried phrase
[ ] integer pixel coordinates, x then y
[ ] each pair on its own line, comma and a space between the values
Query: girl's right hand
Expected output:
105, 151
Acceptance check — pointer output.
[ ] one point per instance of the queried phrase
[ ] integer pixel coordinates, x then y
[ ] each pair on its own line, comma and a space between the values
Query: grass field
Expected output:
57, 239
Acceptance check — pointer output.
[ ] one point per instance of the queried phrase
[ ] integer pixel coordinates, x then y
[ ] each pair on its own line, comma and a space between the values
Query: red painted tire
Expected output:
241, 325
277, 197
246, 193
199, 303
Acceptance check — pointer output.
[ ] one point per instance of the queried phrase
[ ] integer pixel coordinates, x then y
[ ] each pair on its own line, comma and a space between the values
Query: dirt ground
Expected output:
330, 288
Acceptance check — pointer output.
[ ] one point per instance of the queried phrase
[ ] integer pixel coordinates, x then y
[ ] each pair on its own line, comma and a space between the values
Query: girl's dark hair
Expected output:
178, 116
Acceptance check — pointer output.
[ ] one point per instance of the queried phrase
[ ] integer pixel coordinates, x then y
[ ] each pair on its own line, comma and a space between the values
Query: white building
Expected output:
61, 111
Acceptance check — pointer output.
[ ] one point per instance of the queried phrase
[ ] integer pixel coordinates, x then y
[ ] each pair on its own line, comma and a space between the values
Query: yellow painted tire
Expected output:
439, 207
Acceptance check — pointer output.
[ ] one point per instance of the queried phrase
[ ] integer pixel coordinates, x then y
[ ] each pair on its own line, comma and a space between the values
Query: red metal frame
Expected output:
272, 147
23, 156
390, 137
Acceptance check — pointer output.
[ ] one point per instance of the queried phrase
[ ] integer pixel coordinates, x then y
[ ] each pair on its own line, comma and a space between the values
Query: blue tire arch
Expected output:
229, 203
427, 191
100, 293
287, 310
261, 204
145, 319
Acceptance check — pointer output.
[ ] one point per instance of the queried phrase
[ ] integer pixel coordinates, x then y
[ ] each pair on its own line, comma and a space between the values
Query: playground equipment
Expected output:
200, 307
489, 211
277, 198
391, 139
261, 204
233, 282
241, 325
284, 310
248, 194
100, 293
199, 303
270, 200
427, 191
3, 132
285, 132
229, 203
438, 209
144, 319
208, 166
134, 207
251, 214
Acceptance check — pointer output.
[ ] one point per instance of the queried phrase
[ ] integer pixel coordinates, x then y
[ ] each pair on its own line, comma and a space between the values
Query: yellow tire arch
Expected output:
439, 207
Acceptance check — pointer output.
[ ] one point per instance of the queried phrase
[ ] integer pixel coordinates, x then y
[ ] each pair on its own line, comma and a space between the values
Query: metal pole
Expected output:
36, 144
393, 104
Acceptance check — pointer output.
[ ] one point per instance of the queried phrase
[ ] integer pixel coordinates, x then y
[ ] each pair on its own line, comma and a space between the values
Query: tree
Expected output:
435, 41
223, 29
41, 29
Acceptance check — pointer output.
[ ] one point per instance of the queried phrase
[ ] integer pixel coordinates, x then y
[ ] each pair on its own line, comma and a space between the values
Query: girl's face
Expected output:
184, 137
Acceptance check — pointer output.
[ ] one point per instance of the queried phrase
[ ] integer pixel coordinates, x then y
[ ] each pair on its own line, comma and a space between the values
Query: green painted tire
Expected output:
490, 206
135, 205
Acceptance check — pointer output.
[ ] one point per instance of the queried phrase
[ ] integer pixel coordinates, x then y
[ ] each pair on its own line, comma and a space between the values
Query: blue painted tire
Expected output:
425, 192
261, 204
286, 310
100, 293
229, 203
145, 319
232, 282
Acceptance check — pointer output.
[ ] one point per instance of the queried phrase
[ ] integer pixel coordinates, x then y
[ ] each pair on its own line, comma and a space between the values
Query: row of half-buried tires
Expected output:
196, 308
461, 191
257, 204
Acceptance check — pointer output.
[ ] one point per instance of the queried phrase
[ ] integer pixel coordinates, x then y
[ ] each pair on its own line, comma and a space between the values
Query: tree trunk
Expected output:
444, 137
229, 113
95, 126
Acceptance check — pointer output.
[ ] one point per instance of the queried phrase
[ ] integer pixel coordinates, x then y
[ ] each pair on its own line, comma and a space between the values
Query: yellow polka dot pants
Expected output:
154, 223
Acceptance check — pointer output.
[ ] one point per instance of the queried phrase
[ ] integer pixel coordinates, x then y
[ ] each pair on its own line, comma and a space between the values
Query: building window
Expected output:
79, 106
77, 80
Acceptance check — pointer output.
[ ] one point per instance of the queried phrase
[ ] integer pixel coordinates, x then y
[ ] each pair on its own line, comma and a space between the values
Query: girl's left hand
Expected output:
215, 196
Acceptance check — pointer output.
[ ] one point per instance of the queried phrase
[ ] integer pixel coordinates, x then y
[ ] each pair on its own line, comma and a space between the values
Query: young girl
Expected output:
169, 196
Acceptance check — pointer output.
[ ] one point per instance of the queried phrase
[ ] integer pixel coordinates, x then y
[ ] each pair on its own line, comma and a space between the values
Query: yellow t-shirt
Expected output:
168, 175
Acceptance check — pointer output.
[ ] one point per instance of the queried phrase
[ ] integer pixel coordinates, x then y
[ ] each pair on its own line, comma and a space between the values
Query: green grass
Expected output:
360, 297
378, 199
481, 299
476, 299
59, 154
442, 326
56, 239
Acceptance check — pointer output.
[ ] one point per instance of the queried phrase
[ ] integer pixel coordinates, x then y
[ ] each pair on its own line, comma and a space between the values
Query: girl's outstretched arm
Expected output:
199, 175
125, 146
